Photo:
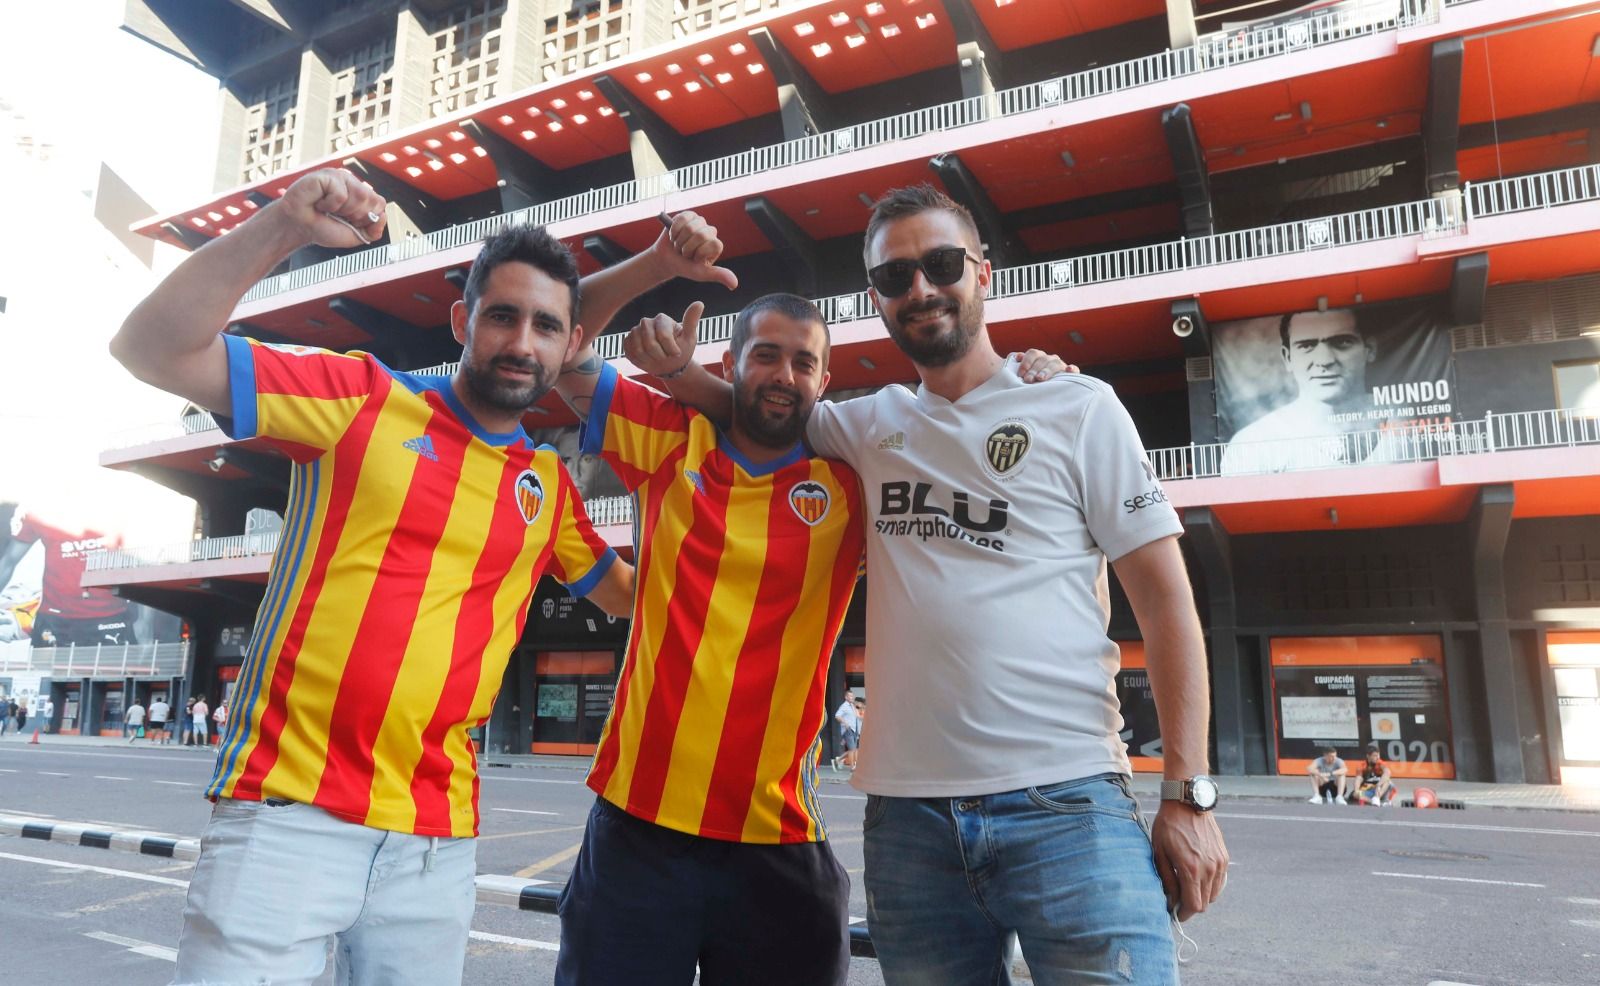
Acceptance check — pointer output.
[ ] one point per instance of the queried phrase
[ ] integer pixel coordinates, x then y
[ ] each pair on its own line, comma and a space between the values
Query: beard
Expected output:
751, 415
948, 346
500, 394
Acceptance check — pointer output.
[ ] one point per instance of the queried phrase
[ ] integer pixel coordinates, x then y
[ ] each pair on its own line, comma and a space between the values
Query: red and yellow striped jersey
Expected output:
411, 546
744, 574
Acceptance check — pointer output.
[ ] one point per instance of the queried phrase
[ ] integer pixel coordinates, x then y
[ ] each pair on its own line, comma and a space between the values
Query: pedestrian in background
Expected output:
159, 712
849, 732
133, 721
198, 712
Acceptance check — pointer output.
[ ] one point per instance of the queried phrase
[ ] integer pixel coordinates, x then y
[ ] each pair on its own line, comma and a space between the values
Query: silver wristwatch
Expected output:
1198, 792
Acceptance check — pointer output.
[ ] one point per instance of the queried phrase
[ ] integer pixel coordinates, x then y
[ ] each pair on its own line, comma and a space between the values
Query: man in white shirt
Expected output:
998, 785
849, 731
159, 711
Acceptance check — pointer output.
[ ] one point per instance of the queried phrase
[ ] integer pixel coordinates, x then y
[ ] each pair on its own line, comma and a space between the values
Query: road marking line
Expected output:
525, 780
525, 811
1582, 923
178, 783
113, 904
7, 770
107, 777
1590, 901
1401, 820
104, 870
54, 773
843, 797
555, 859
22, 750
542, 946
1458, 879
528, 832
135, 945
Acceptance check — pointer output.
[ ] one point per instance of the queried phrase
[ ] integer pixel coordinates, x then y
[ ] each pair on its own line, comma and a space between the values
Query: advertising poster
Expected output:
1346, 386
1141, 730
1575, 666
572, 699
1347, 692
42, 599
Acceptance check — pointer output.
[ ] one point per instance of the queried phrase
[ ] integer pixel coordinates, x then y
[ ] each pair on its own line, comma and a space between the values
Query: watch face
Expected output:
1204, 792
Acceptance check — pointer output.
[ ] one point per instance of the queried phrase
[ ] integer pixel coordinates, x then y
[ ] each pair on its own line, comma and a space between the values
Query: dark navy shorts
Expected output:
645, 905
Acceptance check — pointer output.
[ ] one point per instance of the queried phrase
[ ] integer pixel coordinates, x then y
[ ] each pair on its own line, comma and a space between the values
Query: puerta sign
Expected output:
1317, 389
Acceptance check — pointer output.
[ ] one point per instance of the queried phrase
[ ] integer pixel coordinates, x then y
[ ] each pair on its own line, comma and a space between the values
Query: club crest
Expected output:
1006, 446
810, 501
530, 495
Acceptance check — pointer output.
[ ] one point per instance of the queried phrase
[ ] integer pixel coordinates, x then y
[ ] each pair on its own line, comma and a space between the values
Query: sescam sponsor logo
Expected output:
914, 510
695, 478
1150, 499
810, 501
530, 495
1005, 448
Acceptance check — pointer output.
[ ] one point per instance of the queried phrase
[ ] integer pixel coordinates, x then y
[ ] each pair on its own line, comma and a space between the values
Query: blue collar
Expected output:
789, 458
443, 386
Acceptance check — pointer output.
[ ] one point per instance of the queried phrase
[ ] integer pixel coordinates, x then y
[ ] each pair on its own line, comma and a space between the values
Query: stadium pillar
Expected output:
654, 145
1441, 117
803, 106
1488, 526
1189, 165
1213, 551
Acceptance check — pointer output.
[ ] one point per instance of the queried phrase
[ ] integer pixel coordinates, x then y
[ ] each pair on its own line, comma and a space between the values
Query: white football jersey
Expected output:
988, 522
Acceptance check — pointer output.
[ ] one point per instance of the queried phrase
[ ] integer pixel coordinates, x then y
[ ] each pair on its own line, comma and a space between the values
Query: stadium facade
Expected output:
1341, 261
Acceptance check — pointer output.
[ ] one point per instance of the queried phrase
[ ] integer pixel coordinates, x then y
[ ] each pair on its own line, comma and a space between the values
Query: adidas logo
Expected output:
894, 443
423, 446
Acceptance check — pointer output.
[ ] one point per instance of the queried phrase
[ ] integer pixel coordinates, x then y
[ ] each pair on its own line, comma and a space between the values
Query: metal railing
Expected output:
605, 511
152, 660
1503, 196
1491, 433
203, 549
191, 424
1428, 217
1352, 19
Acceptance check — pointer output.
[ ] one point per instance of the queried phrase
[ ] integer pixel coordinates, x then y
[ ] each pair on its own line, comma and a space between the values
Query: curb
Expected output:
541, 896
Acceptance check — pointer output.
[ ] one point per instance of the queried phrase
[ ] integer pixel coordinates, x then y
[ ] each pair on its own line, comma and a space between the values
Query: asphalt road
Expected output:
1317, 895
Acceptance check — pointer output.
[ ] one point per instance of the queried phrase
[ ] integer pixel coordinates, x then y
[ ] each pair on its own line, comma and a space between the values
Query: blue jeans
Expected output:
1068, 867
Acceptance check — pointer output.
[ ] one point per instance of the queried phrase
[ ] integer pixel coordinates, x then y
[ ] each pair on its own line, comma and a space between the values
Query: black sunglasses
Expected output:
941, 267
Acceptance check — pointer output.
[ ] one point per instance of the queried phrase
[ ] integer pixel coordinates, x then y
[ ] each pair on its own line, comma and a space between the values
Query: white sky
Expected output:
97, 94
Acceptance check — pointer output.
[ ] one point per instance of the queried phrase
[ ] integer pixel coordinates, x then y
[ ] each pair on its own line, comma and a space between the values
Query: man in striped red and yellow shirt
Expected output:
420, 519
706, 845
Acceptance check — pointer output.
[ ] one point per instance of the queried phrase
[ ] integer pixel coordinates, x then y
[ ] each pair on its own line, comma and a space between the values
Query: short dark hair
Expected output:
526, 244
791, 305
1283, 323
1331, 749
912, 200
